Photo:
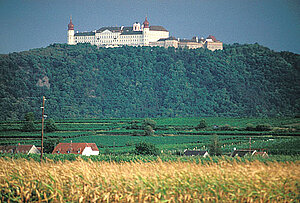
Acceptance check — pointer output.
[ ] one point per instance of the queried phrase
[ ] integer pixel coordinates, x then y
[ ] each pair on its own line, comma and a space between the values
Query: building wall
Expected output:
214, 46
88, 151
171, 43
154, 36
147, 37
71, 39
111, 39
34, 150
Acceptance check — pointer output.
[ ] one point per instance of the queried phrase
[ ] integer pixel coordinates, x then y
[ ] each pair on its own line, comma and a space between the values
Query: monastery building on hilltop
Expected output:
138, 35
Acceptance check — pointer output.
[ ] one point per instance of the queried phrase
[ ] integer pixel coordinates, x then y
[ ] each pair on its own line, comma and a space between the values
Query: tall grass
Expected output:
80, 181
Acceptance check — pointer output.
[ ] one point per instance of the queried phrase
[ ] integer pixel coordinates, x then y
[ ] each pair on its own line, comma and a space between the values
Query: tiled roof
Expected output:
73, 148
16, 149
84, 34
212, 38
187, 40
7, 148
112, 29
157, 28
23, 148
169, 38
127, 29
132, 33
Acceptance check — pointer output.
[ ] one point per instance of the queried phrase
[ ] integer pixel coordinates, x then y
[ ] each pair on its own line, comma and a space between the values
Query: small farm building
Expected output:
195, 153
24, 149
85, 149
252, 152
263, 154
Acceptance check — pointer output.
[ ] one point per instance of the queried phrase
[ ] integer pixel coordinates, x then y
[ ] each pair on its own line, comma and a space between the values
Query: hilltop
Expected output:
83, 81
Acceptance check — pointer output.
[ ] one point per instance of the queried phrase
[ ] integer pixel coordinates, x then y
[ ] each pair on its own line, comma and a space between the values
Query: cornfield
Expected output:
81, 181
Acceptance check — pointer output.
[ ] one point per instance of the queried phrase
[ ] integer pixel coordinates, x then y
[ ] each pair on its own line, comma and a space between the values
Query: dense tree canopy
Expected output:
83, 81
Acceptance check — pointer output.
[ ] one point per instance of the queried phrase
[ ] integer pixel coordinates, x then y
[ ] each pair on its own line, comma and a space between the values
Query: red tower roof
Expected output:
71, 26
212, 37
146, 23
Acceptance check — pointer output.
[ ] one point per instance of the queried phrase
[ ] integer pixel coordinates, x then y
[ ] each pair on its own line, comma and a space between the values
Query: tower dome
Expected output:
70, 25
146, 23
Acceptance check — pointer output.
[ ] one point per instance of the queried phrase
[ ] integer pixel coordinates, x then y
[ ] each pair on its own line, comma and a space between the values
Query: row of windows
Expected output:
107, 41
109, 37
78, 151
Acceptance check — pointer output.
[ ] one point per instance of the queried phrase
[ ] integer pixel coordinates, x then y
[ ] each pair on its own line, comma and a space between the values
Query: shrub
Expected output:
250, 127
214, 147
263, 127
50, 126
150, 122
28, 125
225, 127
201, 125
149, 131
144, 148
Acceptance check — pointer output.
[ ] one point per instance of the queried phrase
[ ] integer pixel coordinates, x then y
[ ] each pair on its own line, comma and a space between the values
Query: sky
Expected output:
28, 24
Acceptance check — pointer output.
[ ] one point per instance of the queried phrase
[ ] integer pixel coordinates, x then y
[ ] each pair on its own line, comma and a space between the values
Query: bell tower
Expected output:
71, 38
146, 32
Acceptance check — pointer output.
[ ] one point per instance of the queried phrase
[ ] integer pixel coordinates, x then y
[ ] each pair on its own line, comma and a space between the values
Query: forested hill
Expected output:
85, 82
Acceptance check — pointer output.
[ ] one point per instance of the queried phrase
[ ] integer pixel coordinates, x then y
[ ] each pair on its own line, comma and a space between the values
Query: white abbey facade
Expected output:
137, 35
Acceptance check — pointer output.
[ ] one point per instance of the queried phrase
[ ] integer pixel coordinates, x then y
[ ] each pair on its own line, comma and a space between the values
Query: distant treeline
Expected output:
83, 81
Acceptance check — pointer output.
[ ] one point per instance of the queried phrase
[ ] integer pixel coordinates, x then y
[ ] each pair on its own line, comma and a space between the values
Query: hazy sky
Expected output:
27, 24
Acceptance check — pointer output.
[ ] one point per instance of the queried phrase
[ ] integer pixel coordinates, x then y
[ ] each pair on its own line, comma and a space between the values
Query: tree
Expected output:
148, 130
214, 147
201, 125
50, 126
28, 125
29, 116
50, 144
149, 122
145, 148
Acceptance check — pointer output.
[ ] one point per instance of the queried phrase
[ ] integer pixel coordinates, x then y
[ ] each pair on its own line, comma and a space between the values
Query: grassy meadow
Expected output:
155, 181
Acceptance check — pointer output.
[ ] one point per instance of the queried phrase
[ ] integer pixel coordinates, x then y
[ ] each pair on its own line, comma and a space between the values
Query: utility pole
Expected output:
43, 118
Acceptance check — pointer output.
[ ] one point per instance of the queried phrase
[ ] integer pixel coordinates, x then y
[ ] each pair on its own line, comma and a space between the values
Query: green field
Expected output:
171, 136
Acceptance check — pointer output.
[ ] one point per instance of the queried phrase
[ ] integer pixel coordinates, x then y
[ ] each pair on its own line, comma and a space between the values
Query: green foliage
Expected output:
139, 82
50, 126
250, 127
263, 127
29, 116
148, 130
214, 147
172, 134
149, 122
201, 125
28, 125
50, 144
145, 148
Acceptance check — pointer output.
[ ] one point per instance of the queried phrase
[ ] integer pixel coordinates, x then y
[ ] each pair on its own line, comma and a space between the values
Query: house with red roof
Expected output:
85, 149
24, 149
